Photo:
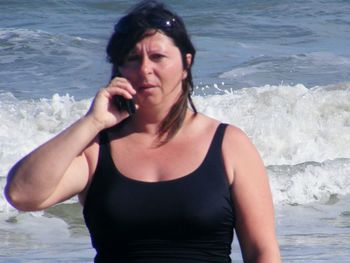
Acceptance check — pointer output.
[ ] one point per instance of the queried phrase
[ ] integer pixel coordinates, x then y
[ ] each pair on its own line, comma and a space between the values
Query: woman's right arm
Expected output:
53, 172
60, 169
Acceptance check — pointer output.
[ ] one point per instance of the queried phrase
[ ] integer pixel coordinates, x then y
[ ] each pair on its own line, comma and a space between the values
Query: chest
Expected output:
192, 206
173, 209
153, 164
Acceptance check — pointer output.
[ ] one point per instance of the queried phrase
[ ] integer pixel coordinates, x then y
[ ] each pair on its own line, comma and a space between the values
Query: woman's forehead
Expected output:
156, 40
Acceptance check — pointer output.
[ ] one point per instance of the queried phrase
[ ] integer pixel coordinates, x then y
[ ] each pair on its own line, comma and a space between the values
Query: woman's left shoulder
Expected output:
238, 148
234, 136
201, 122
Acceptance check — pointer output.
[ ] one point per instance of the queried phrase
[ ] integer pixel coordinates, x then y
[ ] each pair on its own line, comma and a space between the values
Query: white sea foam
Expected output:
295, 129
289, 124
308, 182
27, 123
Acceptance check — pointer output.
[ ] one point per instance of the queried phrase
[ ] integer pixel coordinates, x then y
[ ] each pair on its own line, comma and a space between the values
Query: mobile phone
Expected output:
124, 104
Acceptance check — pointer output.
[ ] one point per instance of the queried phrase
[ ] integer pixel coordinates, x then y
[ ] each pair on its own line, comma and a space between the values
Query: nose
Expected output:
146, 66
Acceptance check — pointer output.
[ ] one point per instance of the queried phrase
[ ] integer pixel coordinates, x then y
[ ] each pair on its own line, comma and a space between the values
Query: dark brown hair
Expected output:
131, 28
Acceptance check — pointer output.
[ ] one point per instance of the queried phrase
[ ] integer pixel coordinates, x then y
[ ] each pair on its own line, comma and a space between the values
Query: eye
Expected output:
157, 56
132, 58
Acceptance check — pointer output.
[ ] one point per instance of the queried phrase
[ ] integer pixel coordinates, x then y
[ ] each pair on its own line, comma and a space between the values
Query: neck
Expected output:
148, 120
145, 132
149, 116
148, 123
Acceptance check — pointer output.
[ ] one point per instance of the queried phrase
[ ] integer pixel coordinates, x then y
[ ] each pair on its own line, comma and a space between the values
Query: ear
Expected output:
188, 65
188, 60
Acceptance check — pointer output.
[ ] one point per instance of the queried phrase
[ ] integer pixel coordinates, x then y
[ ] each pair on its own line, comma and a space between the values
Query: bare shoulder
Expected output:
237, 142
239, 152
235, 136
203, 123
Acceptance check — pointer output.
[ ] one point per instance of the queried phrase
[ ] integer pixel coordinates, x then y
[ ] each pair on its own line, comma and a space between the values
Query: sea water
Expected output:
279, 70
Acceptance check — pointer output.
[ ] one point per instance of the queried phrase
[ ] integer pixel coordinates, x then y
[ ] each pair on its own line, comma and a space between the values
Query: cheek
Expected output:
174, 70
129, 74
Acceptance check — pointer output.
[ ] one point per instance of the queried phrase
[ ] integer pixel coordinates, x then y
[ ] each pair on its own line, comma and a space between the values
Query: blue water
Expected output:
280, 70
58, 46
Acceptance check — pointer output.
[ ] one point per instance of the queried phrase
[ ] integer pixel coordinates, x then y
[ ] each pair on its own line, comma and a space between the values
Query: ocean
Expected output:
279, 70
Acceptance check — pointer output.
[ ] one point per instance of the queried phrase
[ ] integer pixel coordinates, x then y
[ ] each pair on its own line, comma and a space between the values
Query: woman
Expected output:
164, 183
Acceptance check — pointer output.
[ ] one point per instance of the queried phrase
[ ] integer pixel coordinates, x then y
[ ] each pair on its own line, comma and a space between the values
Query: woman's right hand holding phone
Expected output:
103, 110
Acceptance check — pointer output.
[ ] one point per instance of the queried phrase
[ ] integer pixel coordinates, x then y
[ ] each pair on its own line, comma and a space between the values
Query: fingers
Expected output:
121, 87
104, 111
104, 100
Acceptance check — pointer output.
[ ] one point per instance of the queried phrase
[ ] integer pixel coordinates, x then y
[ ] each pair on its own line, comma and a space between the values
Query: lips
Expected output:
146, 86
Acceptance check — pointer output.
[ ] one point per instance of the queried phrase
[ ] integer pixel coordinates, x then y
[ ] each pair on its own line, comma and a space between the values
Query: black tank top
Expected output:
187, 220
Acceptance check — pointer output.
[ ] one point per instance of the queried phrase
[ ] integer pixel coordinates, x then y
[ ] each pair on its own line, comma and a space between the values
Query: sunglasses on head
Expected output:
127, 23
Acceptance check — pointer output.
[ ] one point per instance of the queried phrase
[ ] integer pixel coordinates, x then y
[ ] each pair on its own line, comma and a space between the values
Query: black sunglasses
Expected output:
127, 23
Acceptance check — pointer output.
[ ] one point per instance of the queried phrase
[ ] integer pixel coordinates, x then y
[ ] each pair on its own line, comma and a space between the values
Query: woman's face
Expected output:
155, 70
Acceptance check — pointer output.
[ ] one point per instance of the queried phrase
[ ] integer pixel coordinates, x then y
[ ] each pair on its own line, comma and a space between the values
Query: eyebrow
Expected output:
135, 51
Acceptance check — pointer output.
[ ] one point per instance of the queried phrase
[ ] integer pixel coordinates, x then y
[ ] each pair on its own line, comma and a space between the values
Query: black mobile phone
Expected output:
124, 104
